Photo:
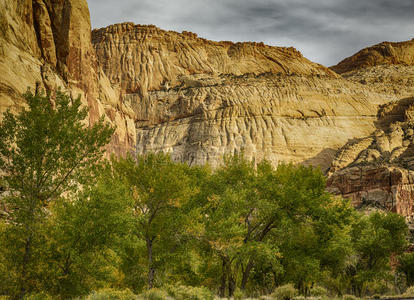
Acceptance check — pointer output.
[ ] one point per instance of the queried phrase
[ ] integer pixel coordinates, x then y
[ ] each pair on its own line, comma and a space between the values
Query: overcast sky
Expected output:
325, 31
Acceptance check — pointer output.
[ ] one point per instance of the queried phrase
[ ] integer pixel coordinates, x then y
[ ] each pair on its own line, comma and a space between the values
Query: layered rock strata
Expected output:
200, 99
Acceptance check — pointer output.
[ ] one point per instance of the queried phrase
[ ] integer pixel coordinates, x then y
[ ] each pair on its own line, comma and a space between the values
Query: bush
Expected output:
376, 296
285, 292
409, 292
111, 294
349, 297
318, 291
238, 294
38, 296
182, 292
154, 294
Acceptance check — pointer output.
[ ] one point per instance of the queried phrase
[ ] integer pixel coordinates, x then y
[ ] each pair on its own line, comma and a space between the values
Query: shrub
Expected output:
285, 292
376, 296
182, 292
154, 294
111, 294
409, 292
349, 297
318, 291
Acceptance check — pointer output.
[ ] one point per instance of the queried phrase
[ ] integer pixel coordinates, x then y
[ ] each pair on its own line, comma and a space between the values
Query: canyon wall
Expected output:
199, 99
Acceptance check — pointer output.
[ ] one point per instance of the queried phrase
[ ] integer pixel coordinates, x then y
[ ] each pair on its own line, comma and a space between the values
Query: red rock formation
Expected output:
385, 188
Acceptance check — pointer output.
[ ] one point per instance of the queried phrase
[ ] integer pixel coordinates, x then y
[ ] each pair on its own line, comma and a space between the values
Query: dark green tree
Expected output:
406, 267
375, 238
85, 237
46, 151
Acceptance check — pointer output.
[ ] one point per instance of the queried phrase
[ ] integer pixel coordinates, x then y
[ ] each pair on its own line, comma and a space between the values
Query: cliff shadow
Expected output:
323, 159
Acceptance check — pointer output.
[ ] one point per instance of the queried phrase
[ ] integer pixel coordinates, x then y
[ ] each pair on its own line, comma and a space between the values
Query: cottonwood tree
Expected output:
45, 151
159, 188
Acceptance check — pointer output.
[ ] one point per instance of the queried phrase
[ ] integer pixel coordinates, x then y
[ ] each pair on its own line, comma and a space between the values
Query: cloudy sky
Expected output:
325, 31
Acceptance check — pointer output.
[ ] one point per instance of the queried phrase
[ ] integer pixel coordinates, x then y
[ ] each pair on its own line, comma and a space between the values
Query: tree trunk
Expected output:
151, 270
26, 259
246, 273
222, 289
232, 284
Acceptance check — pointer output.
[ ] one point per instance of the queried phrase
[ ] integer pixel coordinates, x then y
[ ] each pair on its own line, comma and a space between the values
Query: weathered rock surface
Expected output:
200, 99
378, 187
378, 170
46, 44
386, 53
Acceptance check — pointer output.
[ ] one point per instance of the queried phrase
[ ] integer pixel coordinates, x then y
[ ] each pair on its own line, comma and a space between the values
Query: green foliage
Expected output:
45, 151
285, 292
318, 291
375, 237
112, 294
85, 233
160, 190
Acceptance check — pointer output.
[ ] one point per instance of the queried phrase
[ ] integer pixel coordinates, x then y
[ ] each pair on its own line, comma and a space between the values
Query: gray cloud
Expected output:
325, 31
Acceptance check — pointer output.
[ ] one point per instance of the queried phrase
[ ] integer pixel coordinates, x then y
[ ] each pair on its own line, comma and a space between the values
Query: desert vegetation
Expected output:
77, 225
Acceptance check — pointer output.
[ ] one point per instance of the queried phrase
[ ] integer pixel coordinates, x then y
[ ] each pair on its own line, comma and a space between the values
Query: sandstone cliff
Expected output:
46, 44
200, 99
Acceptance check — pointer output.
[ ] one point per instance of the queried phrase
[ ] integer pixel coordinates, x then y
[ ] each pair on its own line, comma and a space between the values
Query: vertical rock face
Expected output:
382, 187
46, 44
200, 99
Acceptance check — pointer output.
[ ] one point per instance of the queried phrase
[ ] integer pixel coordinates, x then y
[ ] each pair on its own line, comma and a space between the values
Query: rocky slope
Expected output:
200, 99
386, 53
46, 44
